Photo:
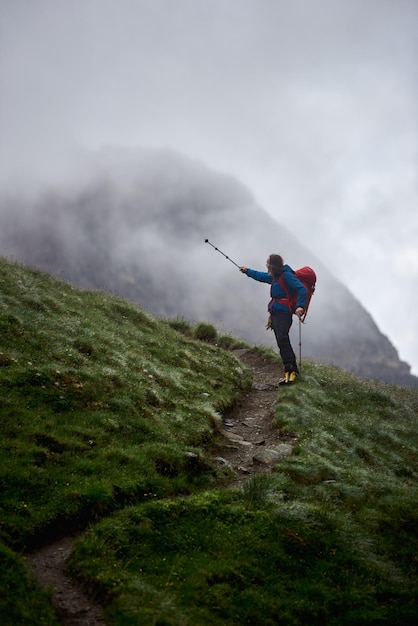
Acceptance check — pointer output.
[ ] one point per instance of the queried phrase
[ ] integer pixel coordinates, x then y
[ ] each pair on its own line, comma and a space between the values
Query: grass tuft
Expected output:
205, 332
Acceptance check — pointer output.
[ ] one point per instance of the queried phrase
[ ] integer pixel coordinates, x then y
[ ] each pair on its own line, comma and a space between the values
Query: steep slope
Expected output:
112, 420
135, 224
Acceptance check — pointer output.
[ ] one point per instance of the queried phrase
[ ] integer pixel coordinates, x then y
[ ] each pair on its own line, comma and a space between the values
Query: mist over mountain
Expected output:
134, 222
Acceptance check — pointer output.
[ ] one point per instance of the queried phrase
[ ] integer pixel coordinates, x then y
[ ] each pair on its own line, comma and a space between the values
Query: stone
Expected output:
273, 455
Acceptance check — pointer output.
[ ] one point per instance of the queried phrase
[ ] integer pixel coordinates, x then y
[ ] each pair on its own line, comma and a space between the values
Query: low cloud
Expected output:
311, 105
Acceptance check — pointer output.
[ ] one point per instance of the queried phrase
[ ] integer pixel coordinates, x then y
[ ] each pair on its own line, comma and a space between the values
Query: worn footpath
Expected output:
248, 443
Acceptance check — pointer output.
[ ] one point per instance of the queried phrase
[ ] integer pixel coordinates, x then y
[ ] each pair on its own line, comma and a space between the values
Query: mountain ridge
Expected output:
135, 224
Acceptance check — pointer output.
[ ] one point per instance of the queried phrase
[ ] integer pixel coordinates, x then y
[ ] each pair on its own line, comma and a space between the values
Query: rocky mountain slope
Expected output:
135, 223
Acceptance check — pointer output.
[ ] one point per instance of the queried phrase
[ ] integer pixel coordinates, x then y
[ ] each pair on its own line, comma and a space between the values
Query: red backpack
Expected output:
307, 277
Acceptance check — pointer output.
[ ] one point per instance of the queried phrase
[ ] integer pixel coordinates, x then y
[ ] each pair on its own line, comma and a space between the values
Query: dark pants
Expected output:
281, 326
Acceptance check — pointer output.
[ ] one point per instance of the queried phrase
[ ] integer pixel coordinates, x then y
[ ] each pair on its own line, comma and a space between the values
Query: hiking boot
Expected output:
288, 378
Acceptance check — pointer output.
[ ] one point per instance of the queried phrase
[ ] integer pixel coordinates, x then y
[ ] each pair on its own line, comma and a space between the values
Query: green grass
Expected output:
101, 403
210, 559
329, 538
107, 415
21, 601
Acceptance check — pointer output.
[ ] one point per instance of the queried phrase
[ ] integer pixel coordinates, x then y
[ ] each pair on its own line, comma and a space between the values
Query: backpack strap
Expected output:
287, 300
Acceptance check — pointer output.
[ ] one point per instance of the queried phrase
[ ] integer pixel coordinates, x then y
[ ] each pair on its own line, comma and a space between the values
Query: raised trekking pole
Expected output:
220, 251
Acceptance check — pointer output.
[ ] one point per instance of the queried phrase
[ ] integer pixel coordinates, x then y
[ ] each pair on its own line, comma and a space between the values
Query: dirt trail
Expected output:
73, 606
249, 443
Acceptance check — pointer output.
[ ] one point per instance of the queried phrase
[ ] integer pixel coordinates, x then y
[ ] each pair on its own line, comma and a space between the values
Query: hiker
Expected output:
283, 282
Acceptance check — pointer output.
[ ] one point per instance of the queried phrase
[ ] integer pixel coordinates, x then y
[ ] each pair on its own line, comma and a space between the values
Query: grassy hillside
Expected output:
107, 415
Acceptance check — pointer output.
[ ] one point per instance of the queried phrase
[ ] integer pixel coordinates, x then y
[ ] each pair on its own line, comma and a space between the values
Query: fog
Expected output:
312, 104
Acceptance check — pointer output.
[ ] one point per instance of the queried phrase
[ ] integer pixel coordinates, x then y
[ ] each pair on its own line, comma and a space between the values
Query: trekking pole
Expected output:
300, 348
220, 251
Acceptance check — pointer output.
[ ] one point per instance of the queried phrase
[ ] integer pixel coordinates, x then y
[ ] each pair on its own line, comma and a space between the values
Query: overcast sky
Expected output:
313, 104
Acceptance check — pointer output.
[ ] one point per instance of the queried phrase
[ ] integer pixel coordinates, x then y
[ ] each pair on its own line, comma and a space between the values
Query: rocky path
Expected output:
248, 443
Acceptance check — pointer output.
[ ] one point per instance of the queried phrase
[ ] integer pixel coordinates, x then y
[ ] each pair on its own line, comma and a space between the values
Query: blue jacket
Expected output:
277, 293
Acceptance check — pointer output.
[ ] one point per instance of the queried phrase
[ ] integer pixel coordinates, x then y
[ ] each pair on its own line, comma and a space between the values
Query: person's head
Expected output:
274, 264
